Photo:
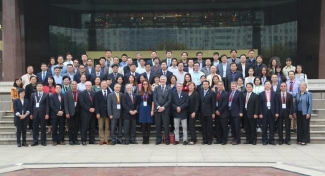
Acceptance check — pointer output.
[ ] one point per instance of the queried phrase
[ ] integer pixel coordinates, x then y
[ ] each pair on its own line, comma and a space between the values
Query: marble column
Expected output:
12, 62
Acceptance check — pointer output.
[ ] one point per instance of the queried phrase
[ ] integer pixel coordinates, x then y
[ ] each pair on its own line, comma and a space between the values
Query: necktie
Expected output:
43, 76
247, 97
291, 87
105, 94
168, 62
115, 76
131, 98
231, 96
39, 95
90, 96
218, 96
162, 88
205, 92
118, 98
283, 98
179, 95
165, 73
97, 74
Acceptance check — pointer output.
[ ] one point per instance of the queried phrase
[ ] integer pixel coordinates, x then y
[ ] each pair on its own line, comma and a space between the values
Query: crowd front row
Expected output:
114, 111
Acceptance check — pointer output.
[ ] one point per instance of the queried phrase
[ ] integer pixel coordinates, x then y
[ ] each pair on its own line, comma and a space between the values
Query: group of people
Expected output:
120, 93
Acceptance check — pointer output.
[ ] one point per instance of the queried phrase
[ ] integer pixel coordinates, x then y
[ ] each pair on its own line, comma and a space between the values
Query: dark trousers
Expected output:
39, 121
119, 128
164, 117
221, 125
250, 129
268, 123
146, 129
235, 128
74, 122
192, 122
88, 122
113, 129
284, 117
21, 125
30, 123
171, 121
58, 120
207, 132
129, 129
303, 130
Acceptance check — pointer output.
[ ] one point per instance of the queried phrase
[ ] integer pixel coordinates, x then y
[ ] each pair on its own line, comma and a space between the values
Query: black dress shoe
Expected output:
119, 142
234, 143
25, 144
126, 143
247, 142
264, 143
133, 142
254, 143
280, 143
217, 142
113, 143
76, 143
204, 143
44, 144
18, 145
71, 143
185, 143
224, 143
93, 143
288, 143
167, 142
84, 143
158, 142
34, 144
210, 143
272, 143
175, 143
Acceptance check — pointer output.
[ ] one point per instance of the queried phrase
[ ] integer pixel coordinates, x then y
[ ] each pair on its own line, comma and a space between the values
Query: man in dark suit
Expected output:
130, 110
82, 71
153, 54
162, 98
269, 111
113, 75
90, 69
199, 56
21, 112
114, 111
180, 102
233, 75
87, 114
285, 113
258, 66
275, 84
243, 67
236, 111
57, 116
97, 73
251, 114
168, 59
100, 100
148, 74
222, 112
132, 72
40, 111
207, 106
72, 112
165, 72
44, 74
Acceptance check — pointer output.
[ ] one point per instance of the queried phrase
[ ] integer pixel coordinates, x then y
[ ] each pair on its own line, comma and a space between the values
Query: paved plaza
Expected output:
309, 160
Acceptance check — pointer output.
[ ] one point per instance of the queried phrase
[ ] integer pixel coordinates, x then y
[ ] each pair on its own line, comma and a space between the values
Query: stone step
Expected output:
5, 105
5, 97
314, 140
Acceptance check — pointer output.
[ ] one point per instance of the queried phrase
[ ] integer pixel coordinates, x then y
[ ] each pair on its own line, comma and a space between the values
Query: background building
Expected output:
34, 30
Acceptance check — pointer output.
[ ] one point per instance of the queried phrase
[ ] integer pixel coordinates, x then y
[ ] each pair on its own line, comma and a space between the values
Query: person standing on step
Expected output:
57, 116
21, 112
40, 110
222, 114
179, 108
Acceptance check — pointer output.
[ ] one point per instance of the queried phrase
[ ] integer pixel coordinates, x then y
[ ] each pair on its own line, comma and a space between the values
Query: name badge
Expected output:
37, 105
216, 104
268, 104
145, 103
284, 106
229, 104
118, 106
75, 104
245, 105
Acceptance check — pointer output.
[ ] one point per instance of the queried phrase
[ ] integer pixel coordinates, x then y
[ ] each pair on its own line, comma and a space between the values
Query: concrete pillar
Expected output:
321, 65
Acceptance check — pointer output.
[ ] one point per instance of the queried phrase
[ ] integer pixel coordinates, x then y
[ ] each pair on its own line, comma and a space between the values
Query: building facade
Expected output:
34, 30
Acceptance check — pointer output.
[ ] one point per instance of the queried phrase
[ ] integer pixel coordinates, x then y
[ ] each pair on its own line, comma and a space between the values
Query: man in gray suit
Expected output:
114, 111
162, 98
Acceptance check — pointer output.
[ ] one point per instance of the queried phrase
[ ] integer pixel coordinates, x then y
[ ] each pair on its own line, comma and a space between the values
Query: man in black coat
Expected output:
82, 71
285, 113
130, 110
113, 75
222, 112
100, 100
179, 108
233, 75
97, 73
236, 111
207, 108
251, 110
72, 112
40, 111
87, 114
165, 72
148, 74
57, 116
132, 72
44, 74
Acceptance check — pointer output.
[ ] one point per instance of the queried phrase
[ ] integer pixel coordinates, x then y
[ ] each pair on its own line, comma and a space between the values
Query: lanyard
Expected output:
145, 97
75, 99
268, 97
39, 98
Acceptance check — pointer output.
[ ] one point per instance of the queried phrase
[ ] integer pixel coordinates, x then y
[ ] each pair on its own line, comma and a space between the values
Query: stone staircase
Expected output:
317, 123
